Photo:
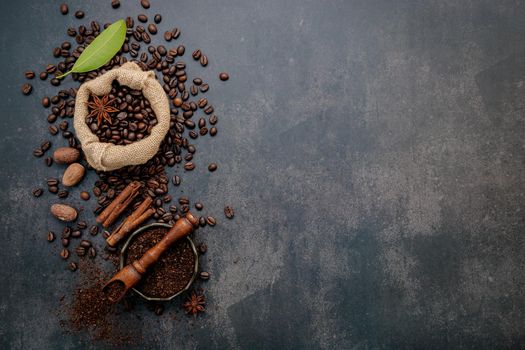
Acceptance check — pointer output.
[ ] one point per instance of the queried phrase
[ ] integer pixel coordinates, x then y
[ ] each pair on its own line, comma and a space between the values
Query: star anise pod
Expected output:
101, 107
195, 304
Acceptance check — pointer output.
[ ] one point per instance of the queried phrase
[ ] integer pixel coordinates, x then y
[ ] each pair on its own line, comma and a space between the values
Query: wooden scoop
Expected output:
130, 275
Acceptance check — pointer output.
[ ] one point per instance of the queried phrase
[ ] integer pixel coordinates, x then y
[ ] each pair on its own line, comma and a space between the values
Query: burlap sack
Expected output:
107, 156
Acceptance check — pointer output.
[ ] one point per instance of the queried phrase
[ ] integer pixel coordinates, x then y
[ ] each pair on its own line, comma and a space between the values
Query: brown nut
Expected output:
73, 174
64, 212
66, 155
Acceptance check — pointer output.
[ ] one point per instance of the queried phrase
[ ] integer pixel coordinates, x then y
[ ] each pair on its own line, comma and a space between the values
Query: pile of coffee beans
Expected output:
133, 122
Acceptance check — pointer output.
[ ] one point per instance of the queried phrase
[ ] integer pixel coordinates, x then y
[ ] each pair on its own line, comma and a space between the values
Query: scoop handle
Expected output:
180, 229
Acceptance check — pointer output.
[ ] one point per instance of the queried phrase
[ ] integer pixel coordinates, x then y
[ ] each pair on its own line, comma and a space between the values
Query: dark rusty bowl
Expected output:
138, 232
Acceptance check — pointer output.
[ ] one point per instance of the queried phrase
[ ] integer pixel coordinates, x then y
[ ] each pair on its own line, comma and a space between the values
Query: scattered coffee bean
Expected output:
64, 9
145, 3
65, 242
48, 160
85, 195
93, 230
73, 266
202, 221
92, 252
30, 74
76, 233
46, 102
212, 167
115, 4
211, 221
199, 206
64, 253
81, 251
196, 54
228, 212
79, 14
157, 18
26, 89
43, 76
189, 166
224, 76
152, 28
204, 275
50, 236
203, 60
142, 18
62, 194
213, 131
82, 225
202, 248
37, 192
84, 243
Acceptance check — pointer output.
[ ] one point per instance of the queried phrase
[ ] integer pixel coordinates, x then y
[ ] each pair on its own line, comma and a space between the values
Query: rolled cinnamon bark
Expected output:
119, 204
141, 214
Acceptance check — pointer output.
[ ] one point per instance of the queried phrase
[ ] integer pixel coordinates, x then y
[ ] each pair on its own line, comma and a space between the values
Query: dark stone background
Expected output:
373, 151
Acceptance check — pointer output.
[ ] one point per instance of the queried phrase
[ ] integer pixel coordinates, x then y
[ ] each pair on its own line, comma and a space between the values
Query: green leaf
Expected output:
101, 50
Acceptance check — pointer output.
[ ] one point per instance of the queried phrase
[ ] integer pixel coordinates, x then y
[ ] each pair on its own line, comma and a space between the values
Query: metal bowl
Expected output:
138, 232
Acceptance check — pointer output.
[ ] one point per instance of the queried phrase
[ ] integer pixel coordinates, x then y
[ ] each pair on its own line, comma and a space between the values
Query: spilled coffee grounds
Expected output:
172, 272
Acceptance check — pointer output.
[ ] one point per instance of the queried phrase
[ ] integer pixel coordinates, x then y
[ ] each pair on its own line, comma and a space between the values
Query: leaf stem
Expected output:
63, 75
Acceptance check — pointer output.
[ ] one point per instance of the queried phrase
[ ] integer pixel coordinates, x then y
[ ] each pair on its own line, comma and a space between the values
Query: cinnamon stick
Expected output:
119, 204
141, 214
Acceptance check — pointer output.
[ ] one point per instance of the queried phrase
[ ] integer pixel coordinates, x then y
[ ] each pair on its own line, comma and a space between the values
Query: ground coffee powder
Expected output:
172, 272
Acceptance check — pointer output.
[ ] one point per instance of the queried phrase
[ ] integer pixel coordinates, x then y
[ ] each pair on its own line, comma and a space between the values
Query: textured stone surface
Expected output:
373, 152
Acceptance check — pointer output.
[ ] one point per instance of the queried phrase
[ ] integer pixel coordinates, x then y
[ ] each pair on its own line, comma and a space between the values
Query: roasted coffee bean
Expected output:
52, 181
142, 18
106, 234
202, 102
93, 230
184, 200
199, 206
26, 89
62, 194
79, 14
64, 253
53, 189
193, 134
66, 232
196, 54
208, 110
48, 161
29, 74
82, 224
85, 243
212, 167
145, 3
224, 76
157, 18
45, 146
73, 266
152, 28
46, 102
204, 275
203, 60
176, 180
203, 131
37, 192
81, 251
202, 221
184, 208
167, 36
64, 9
189, 166
204, 87
202, 248
76, 233
43, 76
228, 212
213, 131
65, 242
210, 220
50, 236
115, 4
55, 82
85, 195
213, 119
180, 50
